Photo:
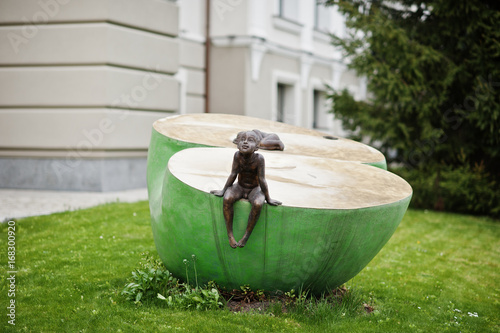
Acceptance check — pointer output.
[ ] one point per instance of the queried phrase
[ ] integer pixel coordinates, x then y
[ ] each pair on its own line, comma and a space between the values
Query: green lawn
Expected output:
439, 272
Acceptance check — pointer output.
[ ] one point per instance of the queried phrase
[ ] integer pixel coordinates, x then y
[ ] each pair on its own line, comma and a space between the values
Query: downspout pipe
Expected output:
207, 56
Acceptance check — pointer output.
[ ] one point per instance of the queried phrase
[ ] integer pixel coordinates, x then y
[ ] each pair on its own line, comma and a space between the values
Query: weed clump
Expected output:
153, 283
337, 302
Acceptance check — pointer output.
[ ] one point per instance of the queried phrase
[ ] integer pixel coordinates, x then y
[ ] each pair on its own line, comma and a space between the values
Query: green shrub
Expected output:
462, 189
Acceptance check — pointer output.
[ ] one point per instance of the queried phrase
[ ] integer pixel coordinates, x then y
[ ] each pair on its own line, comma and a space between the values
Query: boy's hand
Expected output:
218, 193
273, 202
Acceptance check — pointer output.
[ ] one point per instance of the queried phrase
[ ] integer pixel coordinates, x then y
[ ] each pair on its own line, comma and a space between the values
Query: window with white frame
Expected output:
285, 103
321, 17
288, 9
320, 111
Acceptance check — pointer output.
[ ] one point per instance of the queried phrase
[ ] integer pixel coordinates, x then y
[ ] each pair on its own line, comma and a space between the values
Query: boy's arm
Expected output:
263, 182
230, 179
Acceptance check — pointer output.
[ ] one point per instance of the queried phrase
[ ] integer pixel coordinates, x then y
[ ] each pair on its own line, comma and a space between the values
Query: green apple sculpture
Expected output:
337, 211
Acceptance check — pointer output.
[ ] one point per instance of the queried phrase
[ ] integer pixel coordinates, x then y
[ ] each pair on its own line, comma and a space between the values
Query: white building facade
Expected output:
267, 59
82, 81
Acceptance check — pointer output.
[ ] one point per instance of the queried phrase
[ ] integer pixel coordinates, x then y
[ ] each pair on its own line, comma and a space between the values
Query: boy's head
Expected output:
258, 136
248, 142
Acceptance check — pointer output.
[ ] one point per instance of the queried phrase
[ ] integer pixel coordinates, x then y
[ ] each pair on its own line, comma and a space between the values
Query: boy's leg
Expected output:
232, 194
272, 142
257, 199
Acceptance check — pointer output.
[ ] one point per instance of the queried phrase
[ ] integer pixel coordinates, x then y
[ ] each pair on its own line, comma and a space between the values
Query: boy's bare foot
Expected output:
232, 243
242, 242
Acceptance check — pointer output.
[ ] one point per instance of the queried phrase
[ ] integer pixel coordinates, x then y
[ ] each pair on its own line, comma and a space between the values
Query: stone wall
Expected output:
81, 82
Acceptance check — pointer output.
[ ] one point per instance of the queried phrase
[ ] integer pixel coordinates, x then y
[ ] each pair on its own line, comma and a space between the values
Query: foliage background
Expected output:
433, 70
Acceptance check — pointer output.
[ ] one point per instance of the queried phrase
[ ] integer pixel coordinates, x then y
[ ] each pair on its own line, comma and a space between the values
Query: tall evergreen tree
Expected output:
433, 70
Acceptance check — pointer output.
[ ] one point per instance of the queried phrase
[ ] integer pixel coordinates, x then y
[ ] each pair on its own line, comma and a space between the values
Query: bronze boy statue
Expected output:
250, 169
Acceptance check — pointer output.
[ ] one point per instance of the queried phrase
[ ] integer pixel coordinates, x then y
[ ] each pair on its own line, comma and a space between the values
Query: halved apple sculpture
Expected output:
338, 209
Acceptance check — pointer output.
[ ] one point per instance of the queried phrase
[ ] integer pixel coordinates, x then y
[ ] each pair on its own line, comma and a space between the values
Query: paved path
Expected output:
23, 203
